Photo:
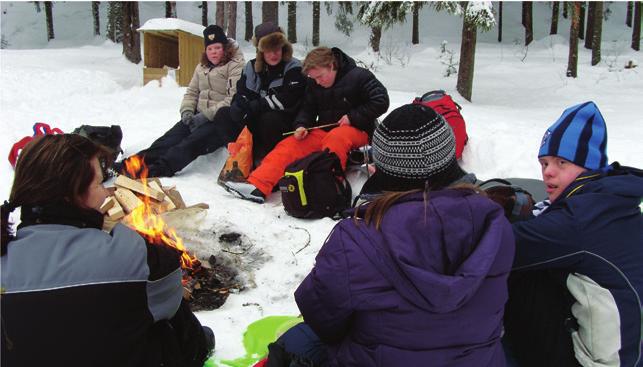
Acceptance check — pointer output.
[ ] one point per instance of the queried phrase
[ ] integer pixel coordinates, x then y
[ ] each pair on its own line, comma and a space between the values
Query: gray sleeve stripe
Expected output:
272, 105
164, 295
71, 286
274, 98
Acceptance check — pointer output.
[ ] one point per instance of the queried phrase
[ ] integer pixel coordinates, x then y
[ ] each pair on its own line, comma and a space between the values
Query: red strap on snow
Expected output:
261, 363
39, 129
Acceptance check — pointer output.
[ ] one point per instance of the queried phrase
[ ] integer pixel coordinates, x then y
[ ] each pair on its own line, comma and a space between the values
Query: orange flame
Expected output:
145, 221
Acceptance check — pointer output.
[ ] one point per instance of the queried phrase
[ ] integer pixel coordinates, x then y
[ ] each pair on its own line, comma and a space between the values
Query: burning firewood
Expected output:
140, 188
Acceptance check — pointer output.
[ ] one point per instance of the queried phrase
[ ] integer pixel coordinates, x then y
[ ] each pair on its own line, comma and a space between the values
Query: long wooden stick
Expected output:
313, 128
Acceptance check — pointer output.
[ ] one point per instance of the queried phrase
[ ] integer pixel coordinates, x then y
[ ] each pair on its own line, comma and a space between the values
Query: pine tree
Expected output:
49, 19
565, 9
204, 13
554, 17
249, 23
270, 12
628, 14
292, 21
316, 12
415, 35
380, 15
581, 21
170, 9
96, 17
572, 64
527, 21
37, 5
114, 21
131, 37
499, 21
219, 18
589, 30
636, 27
597, 30
232, 19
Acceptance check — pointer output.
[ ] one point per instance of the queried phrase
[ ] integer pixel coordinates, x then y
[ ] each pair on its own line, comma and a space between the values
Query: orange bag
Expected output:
239, 163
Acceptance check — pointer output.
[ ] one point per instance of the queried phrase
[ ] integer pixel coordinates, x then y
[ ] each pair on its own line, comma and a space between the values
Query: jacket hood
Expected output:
437, 254
344, 62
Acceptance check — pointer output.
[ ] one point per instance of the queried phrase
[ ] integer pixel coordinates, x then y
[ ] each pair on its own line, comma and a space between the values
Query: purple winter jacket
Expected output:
427, 289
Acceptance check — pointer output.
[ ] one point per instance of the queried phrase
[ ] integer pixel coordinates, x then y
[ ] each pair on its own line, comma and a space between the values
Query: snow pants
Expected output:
267, 131
340, 140
178, 146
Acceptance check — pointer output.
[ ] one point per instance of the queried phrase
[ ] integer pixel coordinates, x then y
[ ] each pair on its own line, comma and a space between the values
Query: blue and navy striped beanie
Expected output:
579, 136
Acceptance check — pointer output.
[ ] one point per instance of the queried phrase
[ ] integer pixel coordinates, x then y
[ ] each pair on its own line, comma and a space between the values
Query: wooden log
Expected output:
127, 199
107, 205
115, 212
187, 218
175, 196
150, 180
128, 183
167, 203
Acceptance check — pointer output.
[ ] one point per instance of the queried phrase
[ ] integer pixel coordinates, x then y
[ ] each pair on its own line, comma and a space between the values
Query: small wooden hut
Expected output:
170, 43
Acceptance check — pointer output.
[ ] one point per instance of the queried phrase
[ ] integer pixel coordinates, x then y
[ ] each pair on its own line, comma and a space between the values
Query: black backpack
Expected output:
516, 201
315, 187
109, 137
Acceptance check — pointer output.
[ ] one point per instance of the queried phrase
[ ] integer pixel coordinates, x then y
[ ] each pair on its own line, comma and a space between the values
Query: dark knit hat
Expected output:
214, 34
579, 136
414, 145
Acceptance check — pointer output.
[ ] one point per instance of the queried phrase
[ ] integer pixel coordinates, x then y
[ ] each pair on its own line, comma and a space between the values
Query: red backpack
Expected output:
442, 103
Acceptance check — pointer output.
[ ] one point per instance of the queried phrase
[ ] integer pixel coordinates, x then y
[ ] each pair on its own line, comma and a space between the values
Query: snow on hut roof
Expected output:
167, 24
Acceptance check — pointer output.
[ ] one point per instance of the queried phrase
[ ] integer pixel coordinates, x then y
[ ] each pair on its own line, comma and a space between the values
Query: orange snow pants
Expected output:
340, 140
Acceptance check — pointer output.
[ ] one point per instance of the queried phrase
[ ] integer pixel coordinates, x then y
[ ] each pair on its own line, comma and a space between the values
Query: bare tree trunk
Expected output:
628, 15
249, 24
376, 36
589, 38
96, 16
219, 17
415, 33
597, 30
170, 9
581, 21
527, 19
131, 38
467, 58
204, 13
572, 64
554, 17
232, 19
499, 21
270, 12
636, 27
565, 9
37, 5
114, 21
50, 21
315, 23
292, 21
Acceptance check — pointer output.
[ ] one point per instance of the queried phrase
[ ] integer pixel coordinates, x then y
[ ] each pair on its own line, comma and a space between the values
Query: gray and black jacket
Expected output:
74, 295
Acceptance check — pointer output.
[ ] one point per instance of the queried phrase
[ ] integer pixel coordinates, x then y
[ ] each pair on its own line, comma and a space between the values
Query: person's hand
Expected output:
300, 133
344, 121
197, 121
186, 117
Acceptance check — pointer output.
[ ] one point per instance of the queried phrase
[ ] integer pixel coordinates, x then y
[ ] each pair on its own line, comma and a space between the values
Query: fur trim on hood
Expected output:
270, 42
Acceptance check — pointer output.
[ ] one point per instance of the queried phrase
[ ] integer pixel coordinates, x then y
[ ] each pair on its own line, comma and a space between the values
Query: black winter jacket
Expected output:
73, 295
356, 93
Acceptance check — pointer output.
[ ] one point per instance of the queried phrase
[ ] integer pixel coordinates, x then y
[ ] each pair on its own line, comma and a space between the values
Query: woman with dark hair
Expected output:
418, 277
206, 124
73, 295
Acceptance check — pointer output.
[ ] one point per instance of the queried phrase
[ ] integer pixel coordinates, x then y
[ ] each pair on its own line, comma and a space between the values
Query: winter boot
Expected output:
245, 191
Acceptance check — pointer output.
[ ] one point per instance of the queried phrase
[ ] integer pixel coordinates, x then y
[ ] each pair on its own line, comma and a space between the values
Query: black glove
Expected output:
197, 121
239, 108
254, 107
186, 117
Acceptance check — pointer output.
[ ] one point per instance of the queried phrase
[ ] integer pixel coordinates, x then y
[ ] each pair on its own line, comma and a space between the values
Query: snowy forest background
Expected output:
518, 83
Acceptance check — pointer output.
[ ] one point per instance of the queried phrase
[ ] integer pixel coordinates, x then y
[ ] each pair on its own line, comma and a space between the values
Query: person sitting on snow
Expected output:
577, 279
339, 92
270, 90
206, 124
418, 277
74, 295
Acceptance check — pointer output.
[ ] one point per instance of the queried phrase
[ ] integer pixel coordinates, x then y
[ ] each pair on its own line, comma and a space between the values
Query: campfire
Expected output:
153, 210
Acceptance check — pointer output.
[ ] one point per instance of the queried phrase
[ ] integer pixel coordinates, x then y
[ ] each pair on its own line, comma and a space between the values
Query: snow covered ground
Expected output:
517, 93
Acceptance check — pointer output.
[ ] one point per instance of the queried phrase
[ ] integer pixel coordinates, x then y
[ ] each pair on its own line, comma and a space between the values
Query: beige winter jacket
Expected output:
213, 87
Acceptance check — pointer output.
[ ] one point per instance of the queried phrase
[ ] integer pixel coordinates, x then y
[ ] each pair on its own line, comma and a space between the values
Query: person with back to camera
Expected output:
206, 124
576, 282
73, 295
418, 276
338, 92
270, 90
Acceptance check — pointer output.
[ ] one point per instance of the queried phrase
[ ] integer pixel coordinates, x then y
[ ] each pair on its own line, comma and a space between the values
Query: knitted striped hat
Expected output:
414, 143
579, 136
